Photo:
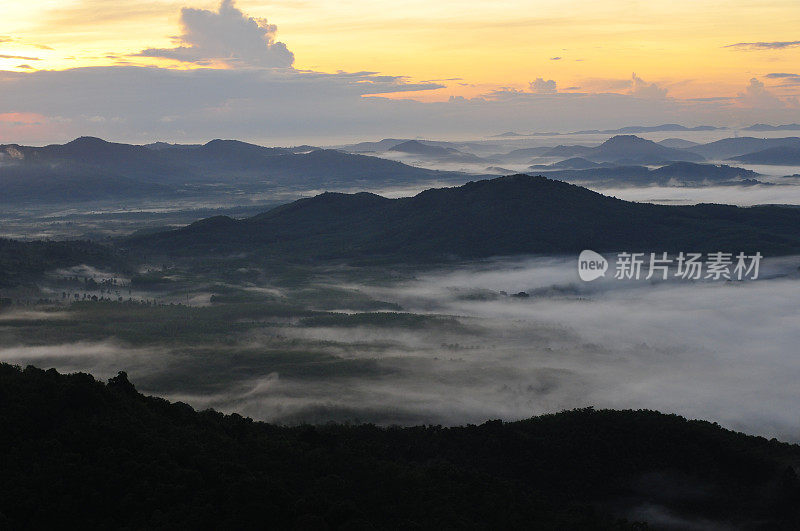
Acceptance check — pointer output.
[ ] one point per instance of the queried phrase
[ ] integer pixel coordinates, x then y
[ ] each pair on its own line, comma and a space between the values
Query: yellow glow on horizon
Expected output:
678, 44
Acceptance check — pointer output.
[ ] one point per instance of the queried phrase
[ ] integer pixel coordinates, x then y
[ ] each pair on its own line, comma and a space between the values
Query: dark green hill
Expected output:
22, 262
77, 453
511, 215
49, 183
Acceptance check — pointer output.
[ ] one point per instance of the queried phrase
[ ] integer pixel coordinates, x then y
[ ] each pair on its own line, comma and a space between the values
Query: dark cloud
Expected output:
227, 35
780, 75
787, 80
26, 67
555, 58
776, 45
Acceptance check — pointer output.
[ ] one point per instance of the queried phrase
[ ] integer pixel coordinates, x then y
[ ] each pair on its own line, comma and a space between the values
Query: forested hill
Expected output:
517, 214
75, 452
22, 262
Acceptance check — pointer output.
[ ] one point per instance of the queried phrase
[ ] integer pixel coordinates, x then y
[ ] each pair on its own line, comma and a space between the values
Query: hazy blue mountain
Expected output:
511, 215
43, 183
498, 170
93, 168
633, 129
521, 155
433, 152
625, 149
733, 147
120, 159
633, 149
766, 127
575, 163
779, 155
374, 147
677, 143
674, 174
166, 145
687, 173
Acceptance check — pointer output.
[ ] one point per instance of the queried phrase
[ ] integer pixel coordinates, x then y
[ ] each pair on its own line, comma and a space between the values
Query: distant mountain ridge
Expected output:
625, 149
89, 168
633, 129
778, 155
517, 214
766, 127
727, 148
434, 152
581, 171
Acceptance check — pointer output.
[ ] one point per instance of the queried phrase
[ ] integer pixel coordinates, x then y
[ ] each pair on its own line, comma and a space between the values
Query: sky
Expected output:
349, 69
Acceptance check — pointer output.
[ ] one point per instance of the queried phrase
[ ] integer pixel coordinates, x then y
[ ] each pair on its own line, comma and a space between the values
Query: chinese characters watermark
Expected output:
662, 266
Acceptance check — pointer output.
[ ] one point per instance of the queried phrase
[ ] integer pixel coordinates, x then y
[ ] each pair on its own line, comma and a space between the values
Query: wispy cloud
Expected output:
781, 75
21, 57
775, 45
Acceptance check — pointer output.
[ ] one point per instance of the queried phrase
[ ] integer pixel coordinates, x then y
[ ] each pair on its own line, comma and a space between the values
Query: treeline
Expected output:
77, 452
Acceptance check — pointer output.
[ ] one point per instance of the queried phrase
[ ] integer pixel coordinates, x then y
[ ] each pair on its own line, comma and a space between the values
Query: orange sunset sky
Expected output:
681, 50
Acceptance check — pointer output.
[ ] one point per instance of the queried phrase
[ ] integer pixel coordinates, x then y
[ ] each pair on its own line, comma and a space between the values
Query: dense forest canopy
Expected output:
77, 451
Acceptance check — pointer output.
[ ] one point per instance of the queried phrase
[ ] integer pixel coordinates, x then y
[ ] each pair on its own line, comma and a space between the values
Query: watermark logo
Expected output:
662, 266
591, 265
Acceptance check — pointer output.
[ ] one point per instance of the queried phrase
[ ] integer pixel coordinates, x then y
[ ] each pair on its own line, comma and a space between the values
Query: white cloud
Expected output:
228, 36
540, 86
642, 89
758, 96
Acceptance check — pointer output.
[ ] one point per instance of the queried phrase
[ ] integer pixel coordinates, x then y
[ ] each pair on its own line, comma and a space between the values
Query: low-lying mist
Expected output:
462, 348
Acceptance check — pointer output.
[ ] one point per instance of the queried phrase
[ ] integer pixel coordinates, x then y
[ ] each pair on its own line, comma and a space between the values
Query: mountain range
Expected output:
578, 170
433, 152
511, 215
766, 127
89, 168
780, 155
729, 148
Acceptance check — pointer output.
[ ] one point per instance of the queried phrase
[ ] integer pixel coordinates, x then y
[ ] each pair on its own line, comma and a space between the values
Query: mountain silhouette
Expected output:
633, 149
733, 147
674, 174
83, 454
779, 155
92, 168
511, 215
